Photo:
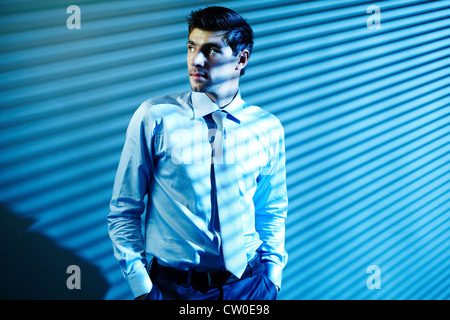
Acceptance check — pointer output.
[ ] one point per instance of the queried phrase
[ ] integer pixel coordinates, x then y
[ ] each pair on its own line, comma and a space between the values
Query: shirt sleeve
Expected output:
271, 204
127, 203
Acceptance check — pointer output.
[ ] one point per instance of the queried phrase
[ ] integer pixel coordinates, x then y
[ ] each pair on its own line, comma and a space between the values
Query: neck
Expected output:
224, 98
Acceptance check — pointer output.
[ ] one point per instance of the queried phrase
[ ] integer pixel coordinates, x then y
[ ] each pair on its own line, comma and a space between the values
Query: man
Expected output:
213, 169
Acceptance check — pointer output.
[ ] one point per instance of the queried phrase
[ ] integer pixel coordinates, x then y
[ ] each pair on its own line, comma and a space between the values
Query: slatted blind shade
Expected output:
366, 114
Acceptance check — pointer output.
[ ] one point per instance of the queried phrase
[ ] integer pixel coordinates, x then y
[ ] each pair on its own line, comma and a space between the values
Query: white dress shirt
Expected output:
165, 172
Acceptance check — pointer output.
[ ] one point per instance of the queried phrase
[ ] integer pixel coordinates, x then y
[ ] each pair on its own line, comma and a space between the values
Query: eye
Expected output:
213, 50
191, 49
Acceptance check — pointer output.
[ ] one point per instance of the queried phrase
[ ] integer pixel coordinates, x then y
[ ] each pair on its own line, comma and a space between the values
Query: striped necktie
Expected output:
227, 192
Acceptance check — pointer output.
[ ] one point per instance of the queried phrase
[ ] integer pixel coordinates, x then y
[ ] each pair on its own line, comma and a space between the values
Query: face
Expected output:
212, 66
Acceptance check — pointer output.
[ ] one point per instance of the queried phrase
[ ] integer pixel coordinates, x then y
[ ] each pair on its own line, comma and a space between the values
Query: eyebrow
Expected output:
209, 44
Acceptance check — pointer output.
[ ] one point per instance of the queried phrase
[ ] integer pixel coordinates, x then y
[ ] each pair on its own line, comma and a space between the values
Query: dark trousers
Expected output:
255, 287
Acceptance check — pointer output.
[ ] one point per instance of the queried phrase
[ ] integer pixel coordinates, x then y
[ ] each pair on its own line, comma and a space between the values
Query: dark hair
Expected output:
238, 33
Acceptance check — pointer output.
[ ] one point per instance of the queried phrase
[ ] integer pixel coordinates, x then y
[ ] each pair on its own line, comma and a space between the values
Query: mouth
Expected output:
198, 75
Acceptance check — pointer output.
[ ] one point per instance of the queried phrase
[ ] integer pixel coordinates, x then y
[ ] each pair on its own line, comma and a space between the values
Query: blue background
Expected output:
366, 113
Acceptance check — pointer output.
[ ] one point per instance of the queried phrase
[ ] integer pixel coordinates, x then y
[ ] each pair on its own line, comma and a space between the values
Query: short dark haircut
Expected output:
238, 33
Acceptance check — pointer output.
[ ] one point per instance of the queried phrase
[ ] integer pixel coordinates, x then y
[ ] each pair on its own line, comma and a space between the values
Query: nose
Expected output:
198, 59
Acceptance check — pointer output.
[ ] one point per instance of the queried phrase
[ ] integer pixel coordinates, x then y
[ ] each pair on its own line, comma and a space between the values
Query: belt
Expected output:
209, 279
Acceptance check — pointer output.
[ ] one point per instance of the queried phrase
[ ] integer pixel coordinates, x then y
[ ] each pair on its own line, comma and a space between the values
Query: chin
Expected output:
198, 88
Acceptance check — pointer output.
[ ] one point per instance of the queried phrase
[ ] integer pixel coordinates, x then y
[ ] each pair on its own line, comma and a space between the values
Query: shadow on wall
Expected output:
33, 267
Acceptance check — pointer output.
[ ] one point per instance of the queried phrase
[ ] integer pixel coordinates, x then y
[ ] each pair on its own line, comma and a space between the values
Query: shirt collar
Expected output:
203, 105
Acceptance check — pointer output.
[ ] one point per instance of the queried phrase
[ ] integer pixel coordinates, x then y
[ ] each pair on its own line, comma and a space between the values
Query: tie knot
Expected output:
218, 117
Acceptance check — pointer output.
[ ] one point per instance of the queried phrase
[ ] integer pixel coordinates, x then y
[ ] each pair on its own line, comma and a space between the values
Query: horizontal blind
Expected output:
366, 113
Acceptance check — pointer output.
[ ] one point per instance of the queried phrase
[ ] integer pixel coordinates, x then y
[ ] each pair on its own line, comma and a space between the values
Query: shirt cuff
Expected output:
139, 282
273, 271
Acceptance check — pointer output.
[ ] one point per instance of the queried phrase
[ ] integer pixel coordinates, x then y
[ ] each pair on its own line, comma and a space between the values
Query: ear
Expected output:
243, 57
